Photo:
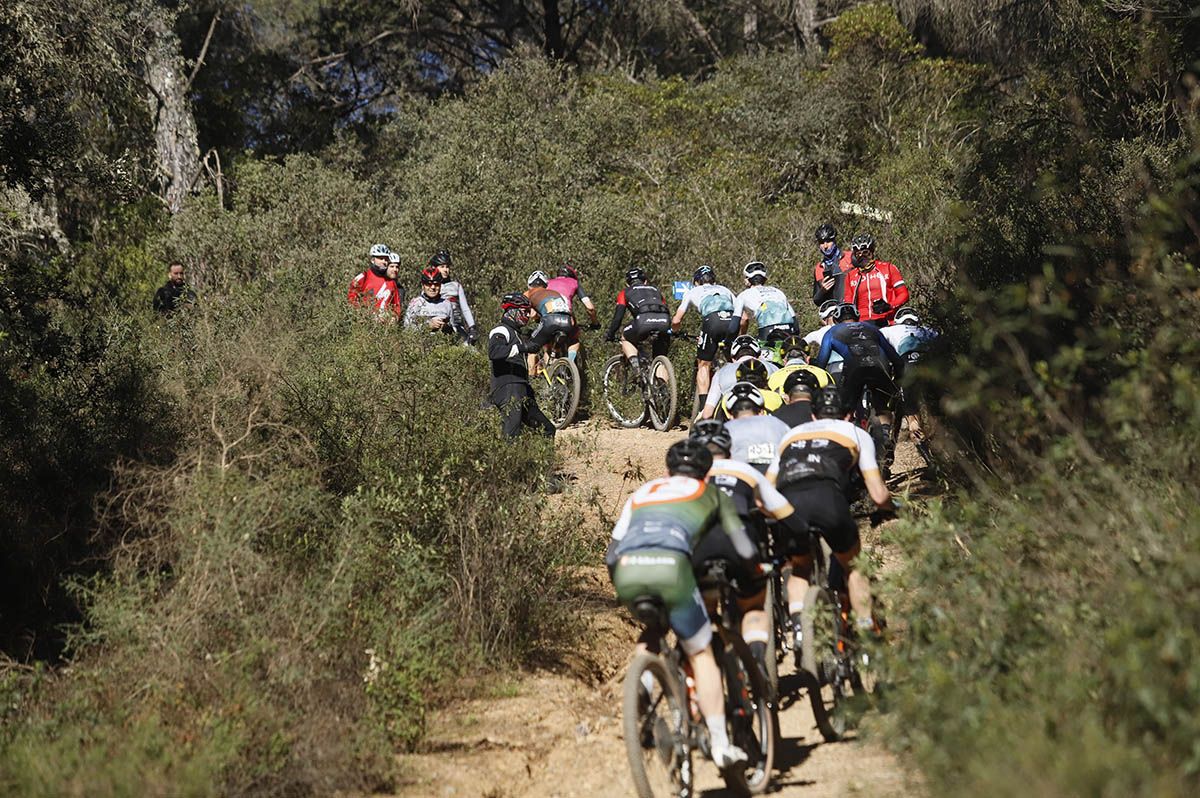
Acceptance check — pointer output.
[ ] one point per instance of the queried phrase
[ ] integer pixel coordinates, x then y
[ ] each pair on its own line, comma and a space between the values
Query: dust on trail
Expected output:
556, 733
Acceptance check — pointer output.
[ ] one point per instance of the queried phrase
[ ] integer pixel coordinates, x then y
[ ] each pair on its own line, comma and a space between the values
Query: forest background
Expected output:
248, 549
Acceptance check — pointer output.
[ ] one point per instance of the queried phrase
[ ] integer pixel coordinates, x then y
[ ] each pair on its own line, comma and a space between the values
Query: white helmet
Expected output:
755, 268
380, 251
393, 258
537, 277
907, 315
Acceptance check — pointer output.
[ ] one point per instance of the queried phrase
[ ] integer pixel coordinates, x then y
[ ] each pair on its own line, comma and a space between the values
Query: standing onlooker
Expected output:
829, 276
874, 286
452, 290
511, 391
375, 288
175, 292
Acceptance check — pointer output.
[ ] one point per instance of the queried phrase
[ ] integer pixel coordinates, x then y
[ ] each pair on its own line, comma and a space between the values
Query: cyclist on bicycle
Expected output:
798, 391
755, 434
743, 349
749, 490
813, 470
874, 286
510, 388
464, 319
814, 339
430, 310
554, 312
869, 363
716, 305
567, 283
914, 343
650, 554
767, 305
795, 358
377, 288
650, 316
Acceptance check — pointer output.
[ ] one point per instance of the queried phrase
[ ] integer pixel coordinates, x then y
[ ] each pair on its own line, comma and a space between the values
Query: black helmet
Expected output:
712, 432
863, 242
825, 233
828, 308
744, 342
567, 270
705, 274
754, 372
743, 396
801, 379
431, 276
846, 312
827, 403
515, 301
440, 258
635, 276
689, 458
794, 343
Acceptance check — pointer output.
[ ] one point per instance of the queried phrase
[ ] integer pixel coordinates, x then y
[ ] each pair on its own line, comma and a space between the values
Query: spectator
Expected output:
175, 292
464, 319
874, 286
829, 276
376, 287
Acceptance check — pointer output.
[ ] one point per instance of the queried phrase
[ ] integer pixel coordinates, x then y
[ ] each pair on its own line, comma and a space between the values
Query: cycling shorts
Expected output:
564, 323
715, 328
823, 508
776, 333
646, 324
716, 545
870, 375
668, 575
791, 536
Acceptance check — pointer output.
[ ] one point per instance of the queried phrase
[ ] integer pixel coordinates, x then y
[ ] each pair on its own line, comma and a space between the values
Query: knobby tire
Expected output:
622, 392
664, 393
756, 777
670, 757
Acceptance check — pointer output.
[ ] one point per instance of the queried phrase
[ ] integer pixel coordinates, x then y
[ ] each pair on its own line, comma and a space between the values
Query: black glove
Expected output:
472, 335
880, 306
594, 325
612, 339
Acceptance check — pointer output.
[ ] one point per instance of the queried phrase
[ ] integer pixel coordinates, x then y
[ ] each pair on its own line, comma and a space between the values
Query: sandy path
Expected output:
555, 734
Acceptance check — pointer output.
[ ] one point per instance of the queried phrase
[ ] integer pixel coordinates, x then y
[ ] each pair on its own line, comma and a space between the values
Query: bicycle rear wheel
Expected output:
664, 394
820, 639
560, 386
623, 393
655, 727
751, 719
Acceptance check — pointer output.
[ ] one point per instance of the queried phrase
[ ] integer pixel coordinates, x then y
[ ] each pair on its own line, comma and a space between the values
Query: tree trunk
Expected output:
177, 149
806, 24
750, 29
552, 27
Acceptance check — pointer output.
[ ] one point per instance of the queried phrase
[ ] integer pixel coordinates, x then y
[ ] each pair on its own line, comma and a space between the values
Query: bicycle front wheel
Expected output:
560, 385
655, 724
623, 393
663, 394
751, 719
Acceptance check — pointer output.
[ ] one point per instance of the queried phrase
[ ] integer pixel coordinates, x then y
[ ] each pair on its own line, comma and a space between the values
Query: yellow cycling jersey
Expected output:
775, 381
771, 401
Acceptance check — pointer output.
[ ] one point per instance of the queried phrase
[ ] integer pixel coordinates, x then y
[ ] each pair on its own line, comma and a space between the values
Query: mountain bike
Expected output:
558, 383
663, 726
831, 655
719, 359
651, 391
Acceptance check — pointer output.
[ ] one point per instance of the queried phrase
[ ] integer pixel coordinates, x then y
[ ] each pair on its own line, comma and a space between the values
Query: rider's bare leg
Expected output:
797, 583
629, 350
703, 376
531, 363
573, 351
857, 583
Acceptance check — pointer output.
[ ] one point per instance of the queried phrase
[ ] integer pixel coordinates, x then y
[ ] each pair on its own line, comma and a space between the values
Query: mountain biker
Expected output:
567, 283
798, 389
430, 310
812, 469
755, 435
869, 362
814, 339
650, 554
755, 373
510, 388
874, 286
749, 490
464, 319
766, 304
716, 306
913, 342
743, 348
375, 288
553, 311
829, 275
649, 310
795, 358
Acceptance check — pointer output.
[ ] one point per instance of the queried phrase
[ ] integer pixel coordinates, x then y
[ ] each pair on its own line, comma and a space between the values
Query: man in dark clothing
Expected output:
799, 388
829, 276
174, 293
650, 317
511, 391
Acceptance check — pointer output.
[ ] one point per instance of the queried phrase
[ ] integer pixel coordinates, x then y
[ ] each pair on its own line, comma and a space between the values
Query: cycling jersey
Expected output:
747, 487
828, 449
454, 292
756, 439
707, 299
546, 301
777, 380
881, 282
674, 513
569, 287
726, 376
794, 413
772, 401
911, 341
422, 308
510, 388
375, 289
859, 344
768, 304
639, 300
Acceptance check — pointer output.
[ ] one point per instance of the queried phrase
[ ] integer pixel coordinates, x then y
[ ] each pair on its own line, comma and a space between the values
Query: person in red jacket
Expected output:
376, 287
875, 287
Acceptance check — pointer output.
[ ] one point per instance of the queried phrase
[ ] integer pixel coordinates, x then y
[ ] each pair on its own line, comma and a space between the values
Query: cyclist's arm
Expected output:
867, 464
355, 290
890, 353
677, 319
899, 286
829, 345
773, 502
587, 303
465, 308
615, 324
618, 534
411, 319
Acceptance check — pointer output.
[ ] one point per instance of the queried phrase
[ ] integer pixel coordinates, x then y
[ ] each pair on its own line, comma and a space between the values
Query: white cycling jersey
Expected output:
708, 299
906, 338
768, 304
726, 376
817, 336
756, 439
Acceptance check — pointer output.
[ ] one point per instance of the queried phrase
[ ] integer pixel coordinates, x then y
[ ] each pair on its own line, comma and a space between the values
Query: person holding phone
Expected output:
829, 275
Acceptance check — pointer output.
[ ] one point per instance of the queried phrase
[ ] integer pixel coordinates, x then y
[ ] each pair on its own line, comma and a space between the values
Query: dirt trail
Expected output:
557, 733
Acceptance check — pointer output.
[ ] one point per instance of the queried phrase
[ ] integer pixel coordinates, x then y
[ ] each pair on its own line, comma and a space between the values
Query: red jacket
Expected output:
372, 290
884, 281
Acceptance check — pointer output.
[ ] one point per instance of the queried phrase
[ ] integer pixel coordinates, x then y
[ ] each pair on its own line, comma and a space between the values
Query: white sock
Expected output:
648, 682
865, 623
716, 731
795, 607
